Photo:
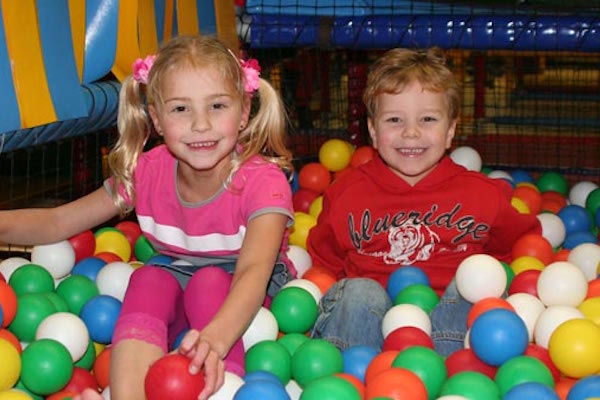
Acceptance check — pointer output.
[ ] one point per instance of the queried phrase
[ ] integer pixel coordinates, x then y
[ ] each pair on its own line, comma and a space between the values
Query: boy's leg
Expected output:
350, 314
449, 321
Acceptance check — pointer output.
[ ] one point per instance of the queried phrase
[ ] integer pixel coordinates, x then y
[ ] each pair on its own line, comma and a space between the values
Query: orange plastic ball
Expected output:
535, 245
101, 368
314, 176
381, 362
8, 303
483, 305
357, 383
398, 384
553, 201
321, 277
561, 255
563, 387
12, 338
531, 196
362, 155
593, 288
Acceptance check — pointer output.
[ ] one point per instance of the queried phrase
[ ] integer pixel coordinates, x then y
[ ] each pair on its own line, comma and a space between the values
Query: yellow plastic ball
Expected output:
574, 348
14, 394
303, 223
115, 242
10, 365
98, 347
335, 154
316, 206
591, 309
525, 263
520, 205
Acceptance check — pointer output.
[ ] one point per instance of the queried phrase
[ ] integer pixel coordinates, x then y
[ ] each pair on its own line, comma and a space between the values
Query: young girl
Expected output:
214, 194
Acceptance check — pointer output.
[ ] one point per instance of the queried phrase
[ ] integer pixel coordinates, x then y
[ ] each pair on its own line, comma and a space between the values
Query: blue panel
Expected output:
11, 117
101, 18
284, 30
206, 17
159, 14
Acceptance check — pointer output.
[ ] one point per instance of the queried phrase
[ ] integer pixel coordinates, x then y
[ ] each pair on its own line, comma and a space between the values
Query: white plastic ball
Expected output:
499, 174
586, 257
528, 307
479, 276
113, 279
553, 228
182, 262
466, 342
562, 283
106, 393
8, 266
58, 258
293, 389
263, 327
307, 285
299, 258
231, 385
452, 397
68, 329
550, 319
580, 191
468, 157
402, 315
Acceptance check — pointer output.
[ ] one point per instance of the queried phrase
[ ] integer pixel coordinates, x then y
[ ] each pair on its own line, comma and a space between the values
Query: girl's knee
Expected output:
209, 278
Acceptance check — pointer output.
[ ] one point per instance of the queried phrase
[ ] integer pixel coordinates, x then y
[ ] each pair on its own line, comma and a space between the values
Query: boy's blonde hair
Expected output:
397, 68
265, 133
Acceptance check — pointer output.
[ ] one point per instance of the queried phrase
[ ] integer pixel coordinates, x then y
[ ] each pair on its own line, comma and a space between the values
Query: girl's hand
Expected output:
204, 356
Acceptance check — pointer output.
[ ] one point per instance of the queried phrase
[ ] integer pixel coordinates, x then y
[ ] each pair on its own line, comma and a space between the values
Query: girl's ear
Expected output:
154, 117
246, 105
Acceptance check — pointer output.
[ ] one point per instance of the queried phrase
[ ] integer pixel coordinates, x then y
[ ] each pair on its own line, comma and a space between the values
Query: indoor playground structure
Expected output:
530, 73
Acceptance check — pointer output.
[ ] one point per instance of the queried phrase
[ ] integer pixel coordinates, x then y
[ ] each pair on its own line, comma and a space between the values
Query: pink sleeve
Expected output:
268, 191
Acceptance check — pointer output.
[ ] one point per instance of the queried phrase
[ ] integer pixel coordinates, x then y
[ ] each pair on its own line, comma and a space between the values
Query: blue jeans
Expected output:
449, 321
350, 314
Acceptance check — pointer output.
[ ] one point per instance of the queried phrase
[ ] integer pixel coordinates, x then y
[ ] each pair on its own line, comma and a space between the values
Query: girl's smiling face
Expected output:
412, 130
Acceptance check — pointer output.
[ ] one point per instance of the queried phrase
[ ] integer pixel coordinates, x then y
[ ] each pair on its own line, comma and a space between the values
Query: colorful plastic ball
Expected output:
293, 390
300, 258
108, 257
428, 365
113, 279
291, 341
143, 249
100, 316
525, 263
592, 202
113, 241
101, 367
266, 390
81, 379
553, 181
89, 267
8, 303
314, 359
520, 205
522, 369
169, 378
10, 367
314, 176
542, 354
57, 258
553, 201
579, 192
520, 176
591, 309
321, 277
535, 245
553, 228
32, 309
330, 388
575, 218
563, 386
500, 174
303, 223
550, 319
483, 305
468, 157
16, 394
530, 196
131, 230
62, 395
263, 327
525, 282
403, 277
76, 290
406, 336
12, 338
89, 357
397, 383
498, 335
381, 362
562, 284
528, 307
67, 329
270, 356
586, 257
587, 388
465, 360
575, 348
10, 265
316, 206
354, 381
420, 295
231, 384
303, 198
472, 385
307, 285
356, 359
295, 309
31, 278
362, 155
479, 276
577, 238
530, 391
46, 366
405, 315
335, 154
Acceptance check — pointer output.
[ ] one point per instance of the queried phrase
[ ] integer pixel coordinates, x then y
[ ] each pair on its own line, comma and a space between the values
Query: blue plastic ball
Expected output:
260, 375
178, 339
575, 218
520, 175
403, 277
498, 335
585, 388
356, 359
261, 389
100, 316
576, 238
89, 267
531, 391
159, 259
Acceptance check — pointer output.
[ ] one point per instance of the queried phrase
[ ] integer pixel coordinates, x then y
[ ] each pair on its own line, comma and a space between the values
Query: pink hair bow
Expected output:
251, 71
141, 68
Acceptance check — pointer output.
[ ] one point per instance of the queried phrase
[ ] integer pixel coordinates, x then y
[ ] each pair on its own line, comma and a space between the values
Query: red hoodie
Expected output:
373, 222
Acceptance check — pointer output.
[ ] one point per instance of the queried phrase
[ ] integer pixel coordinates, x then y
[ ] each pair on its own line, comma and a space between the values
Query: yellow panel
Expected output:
225, 18
127, 39
25, 52
187, 17
168, 27
147, 28
77, 15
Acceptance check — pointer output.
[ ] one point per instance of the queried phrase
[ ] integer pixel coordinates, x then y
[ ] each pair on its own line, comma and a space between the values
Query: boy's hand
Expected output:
203, 356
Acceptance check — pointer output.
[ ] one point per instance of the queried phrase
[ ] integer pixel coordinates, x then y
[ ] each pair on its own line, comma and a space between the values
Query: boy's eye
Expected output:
429, 119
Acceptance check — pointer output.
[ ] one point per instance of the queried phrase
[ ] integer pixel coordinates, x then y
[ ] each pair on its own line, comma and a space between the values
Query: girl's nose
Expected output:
200, 122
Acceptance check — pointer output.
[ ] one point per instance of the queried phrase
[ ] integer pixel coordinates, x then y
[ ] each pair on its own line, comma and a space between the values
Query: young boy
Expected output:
411, 205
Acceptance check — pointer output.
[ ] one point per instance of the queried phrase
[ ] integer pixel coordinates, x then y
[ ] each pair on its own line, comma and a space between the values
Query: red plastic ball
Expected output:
83, 244
362, 155
535, 245
530, 196
525, 282
101, 368
81, 379
379, 363
131, 230
487, 304
169, 378
466, 360
314, 176
543, 355
406, 336
398, 384
303, 198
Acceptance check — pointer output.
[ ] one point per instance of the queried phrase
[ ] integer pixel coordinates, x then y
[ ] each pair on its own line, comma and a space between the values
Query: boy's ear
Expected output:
372, 132
450, 134
154, 117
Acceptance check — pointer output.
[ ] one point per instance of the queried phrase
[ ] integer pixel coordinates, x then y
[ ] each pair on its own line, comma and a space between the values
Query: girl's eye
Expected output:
218, 106
394, 120
179, 109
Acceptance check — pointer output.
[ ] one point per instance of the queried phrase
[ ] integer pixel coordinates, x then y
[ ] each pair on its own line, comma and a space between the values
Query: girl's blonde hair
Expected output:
265, 133
399, 67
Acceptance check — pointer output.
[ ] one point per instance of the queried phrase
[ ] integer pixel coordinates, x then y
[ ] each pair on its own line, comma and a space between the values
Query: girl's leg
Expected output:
350, 314
151, 308
205, 293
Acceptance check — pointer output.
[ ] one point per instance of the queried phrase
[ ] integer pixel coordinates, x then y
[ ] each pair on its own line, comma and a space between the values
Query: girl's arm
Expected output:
33, 226
252, 273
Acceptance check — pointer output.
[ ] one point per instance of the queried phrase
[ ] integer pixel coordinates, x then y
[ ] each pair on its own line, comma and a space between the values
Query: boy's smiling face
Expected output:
412, 130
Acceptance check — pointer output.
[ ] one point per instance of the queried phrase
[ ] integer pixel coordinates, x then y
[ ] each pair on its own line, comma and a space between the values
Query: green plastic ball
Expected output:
89, 357
315, 359
522, 369
472, 385
295, 310
270, 356
76, 290
592, 202
553, 181
330, 388
143, 249
24, 389
59, 303
428, 365
31, 310
31, 278
47, 366
510, 274
420, 295
291, 341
